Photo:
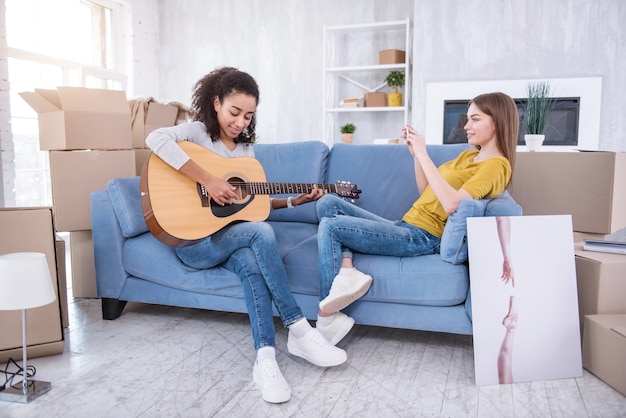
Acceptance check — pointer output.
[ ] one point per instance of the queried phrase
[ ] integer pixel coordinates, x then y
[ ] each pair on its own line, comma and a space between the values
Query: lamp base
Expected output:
14, 393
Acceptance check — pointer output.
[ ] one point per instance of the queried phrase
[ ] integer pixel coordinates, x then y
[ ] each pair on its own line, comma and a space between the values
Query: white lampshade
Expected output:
25, 281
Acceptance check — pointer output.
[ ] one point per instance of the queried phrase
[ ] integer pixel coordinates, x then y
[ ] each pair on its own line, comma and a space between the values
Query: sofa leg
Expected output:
112, 308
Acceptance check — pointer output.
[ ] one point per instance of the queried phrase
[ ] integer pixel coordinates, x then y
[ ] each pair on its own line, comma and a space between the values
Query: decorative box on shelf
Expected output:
375, 99
391, 56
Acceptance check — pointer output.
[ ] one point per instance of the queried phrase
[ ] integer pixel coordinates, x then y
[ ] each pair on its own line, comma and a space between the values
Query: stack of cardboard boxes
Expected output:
88, 135
32, 230
591, 186
147, 115
91, 139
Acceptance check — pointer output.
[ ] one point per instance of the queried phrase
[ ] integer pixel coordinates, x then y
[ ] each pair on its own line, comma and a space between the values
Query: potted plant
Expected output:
395, 80
347, 133
538, 108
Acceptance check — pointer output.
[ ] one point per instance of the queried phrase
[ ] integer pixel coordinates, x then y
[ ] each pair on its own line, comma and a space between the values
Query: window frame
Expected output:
107, 78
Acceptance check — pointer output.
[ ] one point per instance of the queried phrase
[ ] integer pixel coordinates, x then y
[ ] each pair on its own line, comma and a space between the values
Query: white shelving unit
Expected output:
351, 70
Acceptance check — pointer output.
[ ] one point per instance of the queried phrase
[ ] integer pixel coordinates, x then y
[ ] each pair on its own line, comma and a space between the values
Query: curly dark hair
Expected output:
221, 83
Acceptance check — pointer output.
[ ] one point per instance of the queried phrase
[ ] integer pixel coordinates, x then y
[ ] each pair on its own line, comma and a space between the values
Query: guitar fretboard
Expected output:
283, 188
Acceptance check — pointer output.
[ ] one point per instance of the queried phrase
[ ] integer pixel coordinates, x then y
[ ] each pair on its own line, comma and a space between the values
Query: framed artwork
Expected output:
524, 299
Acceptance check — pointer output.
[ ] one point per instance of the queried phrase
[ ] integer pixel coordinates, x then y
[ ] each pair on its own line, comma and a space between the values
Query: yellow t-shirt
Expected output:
482, 180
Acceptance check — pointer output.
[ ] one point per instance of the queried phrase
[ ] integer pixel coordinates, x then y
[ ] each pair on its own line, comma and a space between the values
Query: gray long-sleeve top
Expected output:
163, 141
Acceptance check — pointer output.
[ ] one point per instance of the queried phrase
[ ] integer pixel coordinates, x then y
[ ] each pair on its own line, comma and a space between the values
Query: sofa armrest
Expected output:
108, 243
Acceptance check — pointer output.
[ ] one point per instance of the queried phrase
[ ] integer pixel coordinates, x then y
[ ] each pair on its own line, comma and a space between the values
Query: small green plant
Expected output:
348, 128
538, 107
395, 80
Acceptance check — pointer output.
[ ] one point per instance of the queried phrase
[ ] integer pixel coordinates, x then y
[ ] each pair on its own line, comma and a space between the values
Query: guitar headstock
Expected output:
345, 189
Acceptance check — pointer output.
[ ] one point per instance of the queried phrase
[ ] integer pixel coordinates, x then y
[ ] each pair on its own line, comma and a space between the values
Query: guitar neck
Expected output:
283, 188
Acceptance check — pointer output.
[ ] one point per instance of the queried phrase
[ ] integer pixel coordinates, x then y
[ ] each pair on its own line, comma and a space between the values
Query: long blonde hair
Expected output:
503, 111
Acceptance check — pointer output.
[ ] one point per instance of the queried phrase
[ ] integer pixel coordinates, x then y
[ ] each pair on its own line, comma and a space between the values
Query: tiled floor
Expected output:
157, 361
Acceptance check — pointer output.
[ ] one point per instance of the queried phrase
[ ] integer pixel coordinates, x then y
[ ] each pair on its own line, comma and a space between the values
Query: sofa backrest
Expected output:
378, 170
302, 162
373, 168
294, 162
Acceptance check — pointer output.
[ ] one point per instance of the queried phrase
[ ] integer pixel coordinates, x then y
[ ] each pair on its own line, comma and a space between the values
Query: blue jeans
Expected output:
345, 227
249, 250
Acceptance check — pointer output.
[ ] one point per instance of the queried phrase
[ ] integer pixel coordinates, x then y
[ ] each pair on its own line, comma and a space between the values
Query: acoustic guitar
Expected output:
179, 211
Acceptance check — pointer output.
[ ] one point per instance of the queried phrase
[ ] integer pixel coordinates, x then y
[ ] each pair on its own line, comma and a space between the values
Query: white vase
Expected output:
533, 142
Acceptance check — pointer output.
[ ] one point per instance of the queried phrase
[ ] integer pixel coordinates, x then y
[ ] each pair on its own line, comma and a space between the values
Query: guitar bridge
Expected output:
204, 196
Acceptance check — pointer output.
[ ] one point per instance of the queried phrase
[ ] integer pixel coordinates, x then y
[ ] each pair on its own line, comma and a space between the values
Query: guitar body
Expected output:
176, 211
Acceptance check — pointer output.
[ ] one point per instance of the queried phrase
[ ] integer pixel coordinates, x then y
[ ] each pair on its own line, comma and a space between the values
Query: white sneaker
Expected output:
316, 349
274, 387
345, 290
339, 328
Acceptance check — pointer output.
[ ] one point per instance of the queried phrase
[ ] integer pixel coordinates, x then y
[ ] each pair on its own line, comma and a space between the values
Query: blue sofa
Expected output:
422, 293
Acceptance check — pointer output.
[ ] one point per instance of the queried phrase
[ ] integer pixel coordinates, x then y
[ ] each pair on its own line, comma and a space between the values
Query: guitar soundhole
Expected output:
236, 205
241, 190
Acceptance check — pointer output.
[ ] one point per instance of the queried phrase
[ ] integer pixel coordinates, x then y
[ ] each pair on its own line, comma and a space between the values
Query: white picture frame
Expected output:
540, 338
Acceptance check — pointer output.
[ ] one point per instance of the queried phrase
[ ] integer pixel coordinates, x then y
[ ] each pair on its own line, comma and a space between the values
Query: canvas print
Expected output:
524, 299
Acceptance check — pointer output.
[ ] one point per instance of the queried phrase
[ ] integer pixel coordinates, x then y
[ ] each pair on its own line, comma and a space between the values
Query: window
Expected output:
53, 43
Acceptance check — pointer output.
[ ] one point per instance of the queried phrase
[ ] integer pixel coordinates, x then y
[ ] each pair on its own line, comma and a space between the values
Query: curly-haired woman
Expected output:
225, 102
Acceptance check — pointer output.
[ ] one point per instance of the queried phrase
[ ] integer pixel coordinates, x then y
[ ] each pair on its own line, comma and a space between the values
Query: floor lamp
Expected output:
25, 283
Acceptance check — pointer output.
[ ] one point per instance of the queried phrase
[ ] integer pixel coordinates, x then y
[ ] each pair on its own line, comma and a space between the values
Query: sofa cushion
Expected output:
503, 205
453, 247
147, 258
290, 234
423, 280
295, 162
379, 169
126, 200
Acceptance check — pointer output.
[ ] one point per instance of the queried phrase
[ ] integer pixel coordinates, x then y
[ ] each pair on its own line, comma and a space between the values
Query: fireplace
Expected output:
573, 125
561, 125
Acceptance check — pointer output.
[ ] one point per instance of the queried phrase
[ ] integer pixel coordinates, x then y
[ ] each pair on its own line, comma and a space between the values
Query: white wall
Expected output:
143, 48
480, 40
7, 165
280, 43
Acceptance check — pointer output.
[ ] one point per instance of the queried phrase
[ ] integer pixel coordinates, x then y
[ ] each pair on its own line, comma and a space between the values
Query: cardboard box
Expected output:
30, 230
391, 56
83, 265
75, 174
604, 346
601, 279
73, 118
375, 99
582, 236
141, 156
148, 115
185, 114
591, 186
59, 245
